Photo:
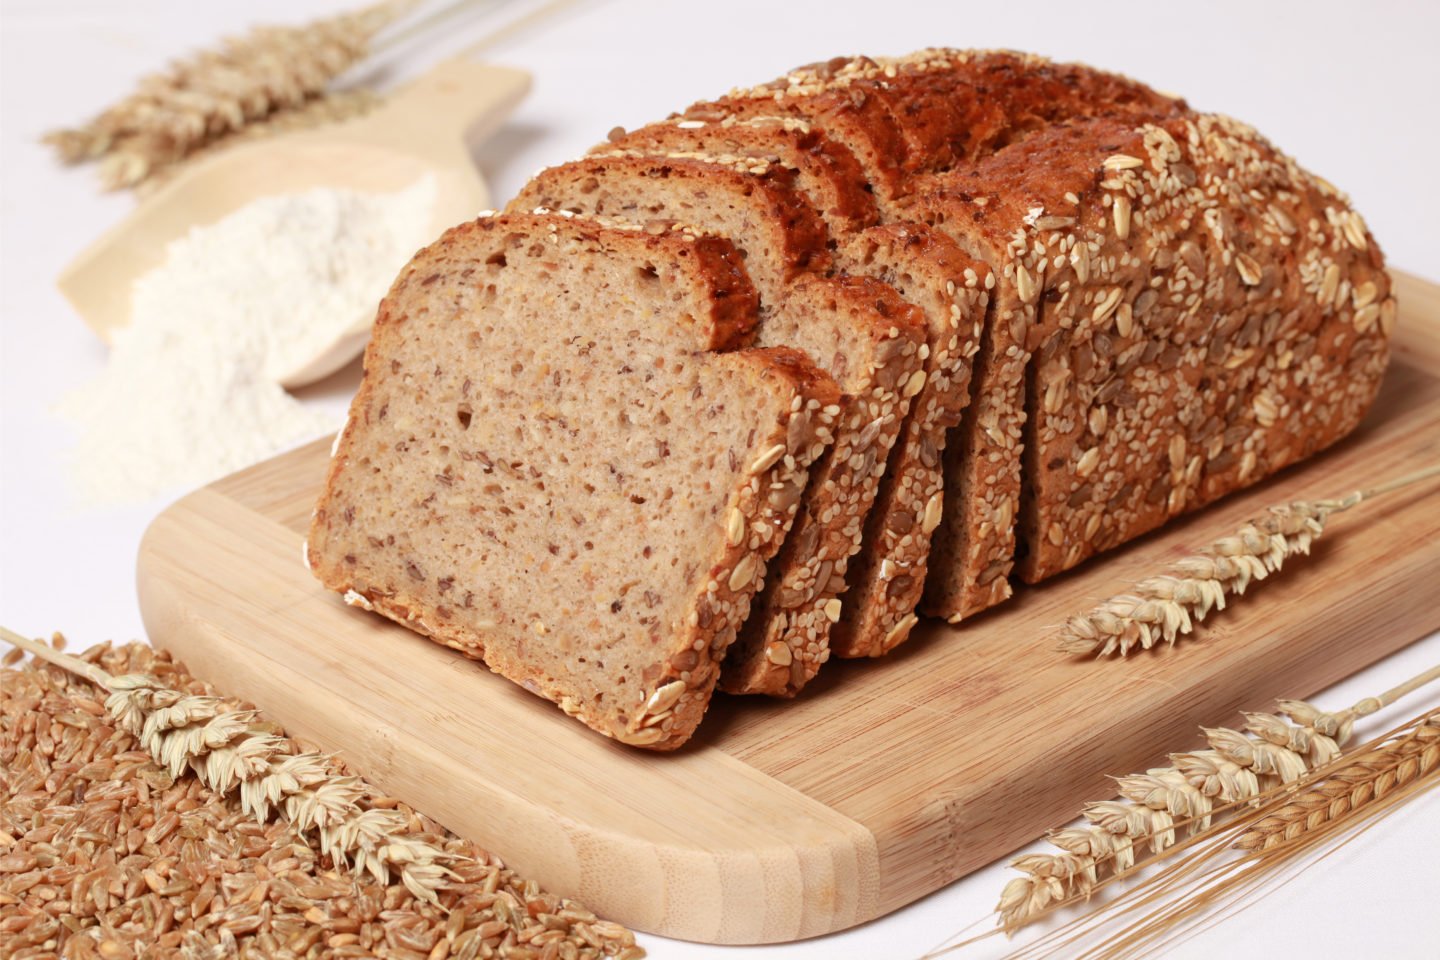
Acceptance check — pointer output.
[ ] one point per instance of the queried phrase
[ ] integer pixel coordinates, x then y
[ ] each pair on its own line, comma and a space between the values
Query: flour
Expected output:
191, 389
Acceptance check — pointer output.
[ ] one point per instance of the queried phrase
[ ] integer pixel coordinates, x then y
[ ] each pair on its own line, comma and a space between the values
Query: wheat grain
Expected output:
1167, 606
214, 93
1237, 768
104, 853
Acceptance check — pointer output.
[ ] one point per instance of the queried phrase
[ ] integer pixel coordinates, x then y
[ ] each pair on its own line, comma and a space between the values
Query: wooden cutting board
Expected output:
888, 778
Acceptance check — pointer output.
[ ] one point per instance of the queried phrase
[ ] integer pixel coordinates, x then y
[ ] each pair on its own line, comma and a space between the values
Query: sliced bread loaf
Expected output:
550, 454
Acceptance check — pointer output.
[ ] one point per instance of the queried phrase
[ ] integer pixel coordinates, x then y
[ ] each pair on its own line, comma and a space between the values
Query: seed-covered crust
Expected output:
1230, 324
825, 170
886, 579
472, 500
786, 639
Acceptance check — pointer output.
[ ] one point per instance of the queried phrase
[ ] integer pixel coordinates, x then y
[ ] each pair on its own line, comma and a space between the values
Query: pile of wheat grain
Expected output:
105, 854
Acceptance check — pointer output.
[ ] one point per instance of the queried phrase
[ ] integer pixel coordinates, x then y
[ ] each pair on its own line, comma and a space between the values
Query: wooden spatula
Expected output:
423, 129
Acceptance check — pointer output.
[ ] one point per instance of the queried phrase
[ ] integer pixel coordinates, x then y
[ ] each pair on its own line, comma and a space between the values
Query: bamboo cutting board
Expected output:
888, 778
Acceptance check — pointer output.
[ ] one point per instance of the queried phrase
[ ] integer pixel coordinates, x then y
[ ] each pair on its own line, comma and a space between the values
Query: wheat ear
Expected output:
1168, 605
224, 751
1237, 768
1366, 779
214, 93
327, 108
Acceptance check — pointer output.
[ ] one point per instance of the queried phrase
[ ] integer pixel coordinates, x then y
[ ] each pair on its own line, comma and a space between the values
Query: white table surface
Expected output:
1350, 88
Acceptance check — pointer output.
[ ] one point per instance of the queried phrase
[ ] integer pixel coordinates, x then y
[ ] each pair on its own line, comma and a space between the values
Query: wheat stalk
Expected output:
1237, 768
214, 93
226, 752
1168, 605
1204, 878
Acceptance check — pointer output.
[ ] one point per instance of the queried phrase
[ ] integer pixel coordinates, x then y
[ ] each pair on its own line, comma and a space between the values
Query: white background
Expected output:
1350, 88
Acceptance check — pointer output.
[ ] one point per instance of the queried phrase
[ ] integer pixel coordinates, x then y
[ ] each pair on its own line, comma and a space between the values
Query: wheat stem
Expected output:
65, 661
1168, 605
1238, 768
220, 746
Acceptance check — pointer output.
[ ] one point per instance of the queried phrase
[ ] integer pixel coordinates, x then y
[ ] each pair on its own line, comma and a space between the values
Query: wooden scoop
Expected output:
421, 130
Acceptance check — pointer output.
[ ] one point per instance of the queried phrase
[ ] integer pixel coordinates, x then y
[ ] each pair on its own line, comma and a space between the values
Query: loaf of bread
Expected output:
880, 337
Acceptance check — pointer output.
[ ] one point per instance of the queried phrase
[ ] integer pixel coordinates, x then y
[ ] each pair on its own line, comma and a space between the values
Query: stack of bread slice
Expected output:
759, 383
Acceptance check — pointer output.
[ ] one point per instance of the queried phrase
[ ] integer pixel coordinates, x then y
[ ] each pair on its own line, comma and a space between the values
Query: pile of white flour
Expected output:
191, 390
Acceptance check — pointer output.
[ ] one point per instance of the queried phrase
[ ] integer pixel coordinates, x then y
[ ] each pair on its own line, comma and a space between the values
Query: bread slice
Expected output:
825, 170
564, 460
745, 198
755, 203
972, 551
887, 578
